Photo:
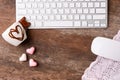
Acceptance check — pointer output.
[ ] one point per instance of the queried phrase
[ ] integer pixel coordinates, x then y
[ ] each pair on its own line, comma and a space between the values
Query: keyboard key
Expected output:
31, 0
21, 6
90, 25
103, 25
92, 10
90, 4
82, 17
19, 1
58, 23
46, 5
59, 5
98, 16
67, 11
22, 12
73, 11
84, 23
28, 5
53, 5
70, 17
38, 0
97, 22
29, 11
39, 17
100, 10
40, 5
38, 23
103, 4
89, 17
42, 11
71, 5
78, 5
48, 11
58, 17
97, 4
25, 0
34, 5
79, 11
77, 23
76, 17
85, 10
60, 11
97, 25
45, 17
51, 17
84, 4
64, 17
65, 4
33, 17
36, 11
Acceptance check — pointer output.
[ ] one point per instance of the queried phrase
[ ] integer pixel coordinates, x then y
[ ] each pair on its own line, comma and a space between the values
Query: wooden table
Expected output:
62, 54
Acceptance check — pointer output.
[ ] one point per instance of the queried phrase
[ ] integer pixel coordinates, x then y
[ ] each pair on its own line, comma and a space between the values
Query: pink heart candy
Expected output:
32, 63
30, 50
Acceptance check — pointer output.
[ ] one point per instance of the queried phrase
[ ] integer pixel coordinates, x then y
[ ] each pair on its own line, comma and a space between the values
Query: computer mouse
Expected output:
106, 47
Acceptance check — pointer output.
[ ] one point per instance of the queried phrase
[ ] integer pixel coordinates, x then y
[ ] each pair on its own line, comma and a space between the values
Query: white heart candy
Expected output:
23, 57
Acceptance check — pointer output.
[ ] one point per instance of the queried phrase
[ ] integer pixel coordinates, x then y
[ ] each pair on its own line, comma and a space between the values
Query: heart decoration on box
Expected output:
17, 33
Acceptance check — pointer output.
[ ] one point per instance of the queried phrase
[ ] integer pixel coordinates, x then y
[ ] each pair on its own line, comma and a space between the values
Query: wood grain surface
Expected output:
62, 54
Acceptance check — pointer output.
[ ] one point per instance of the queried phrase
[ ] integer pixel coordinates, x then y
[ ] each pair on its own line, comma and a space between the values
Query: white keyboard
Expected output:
63, 13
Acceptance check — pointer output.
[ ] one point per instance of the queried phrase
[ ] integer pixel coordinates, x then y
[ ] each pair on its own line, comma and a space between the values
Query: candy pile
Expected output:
31, 51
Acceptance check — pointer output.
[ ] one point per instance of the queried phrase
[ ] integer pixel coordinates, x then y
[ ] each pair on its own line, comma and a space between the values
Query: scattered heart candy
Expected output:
32, 63
23, 57
30, 50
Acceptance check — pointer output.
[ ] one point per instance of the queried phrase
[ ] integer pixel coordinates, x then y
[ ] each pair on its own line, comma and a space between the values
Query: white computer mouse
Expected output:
106, 47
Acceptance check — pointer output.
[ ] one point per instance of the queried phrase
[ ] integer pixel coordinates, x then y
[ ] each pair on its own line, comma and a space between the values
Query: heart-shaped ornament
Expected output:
32, 63
17, 33
30, 50
23, 57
